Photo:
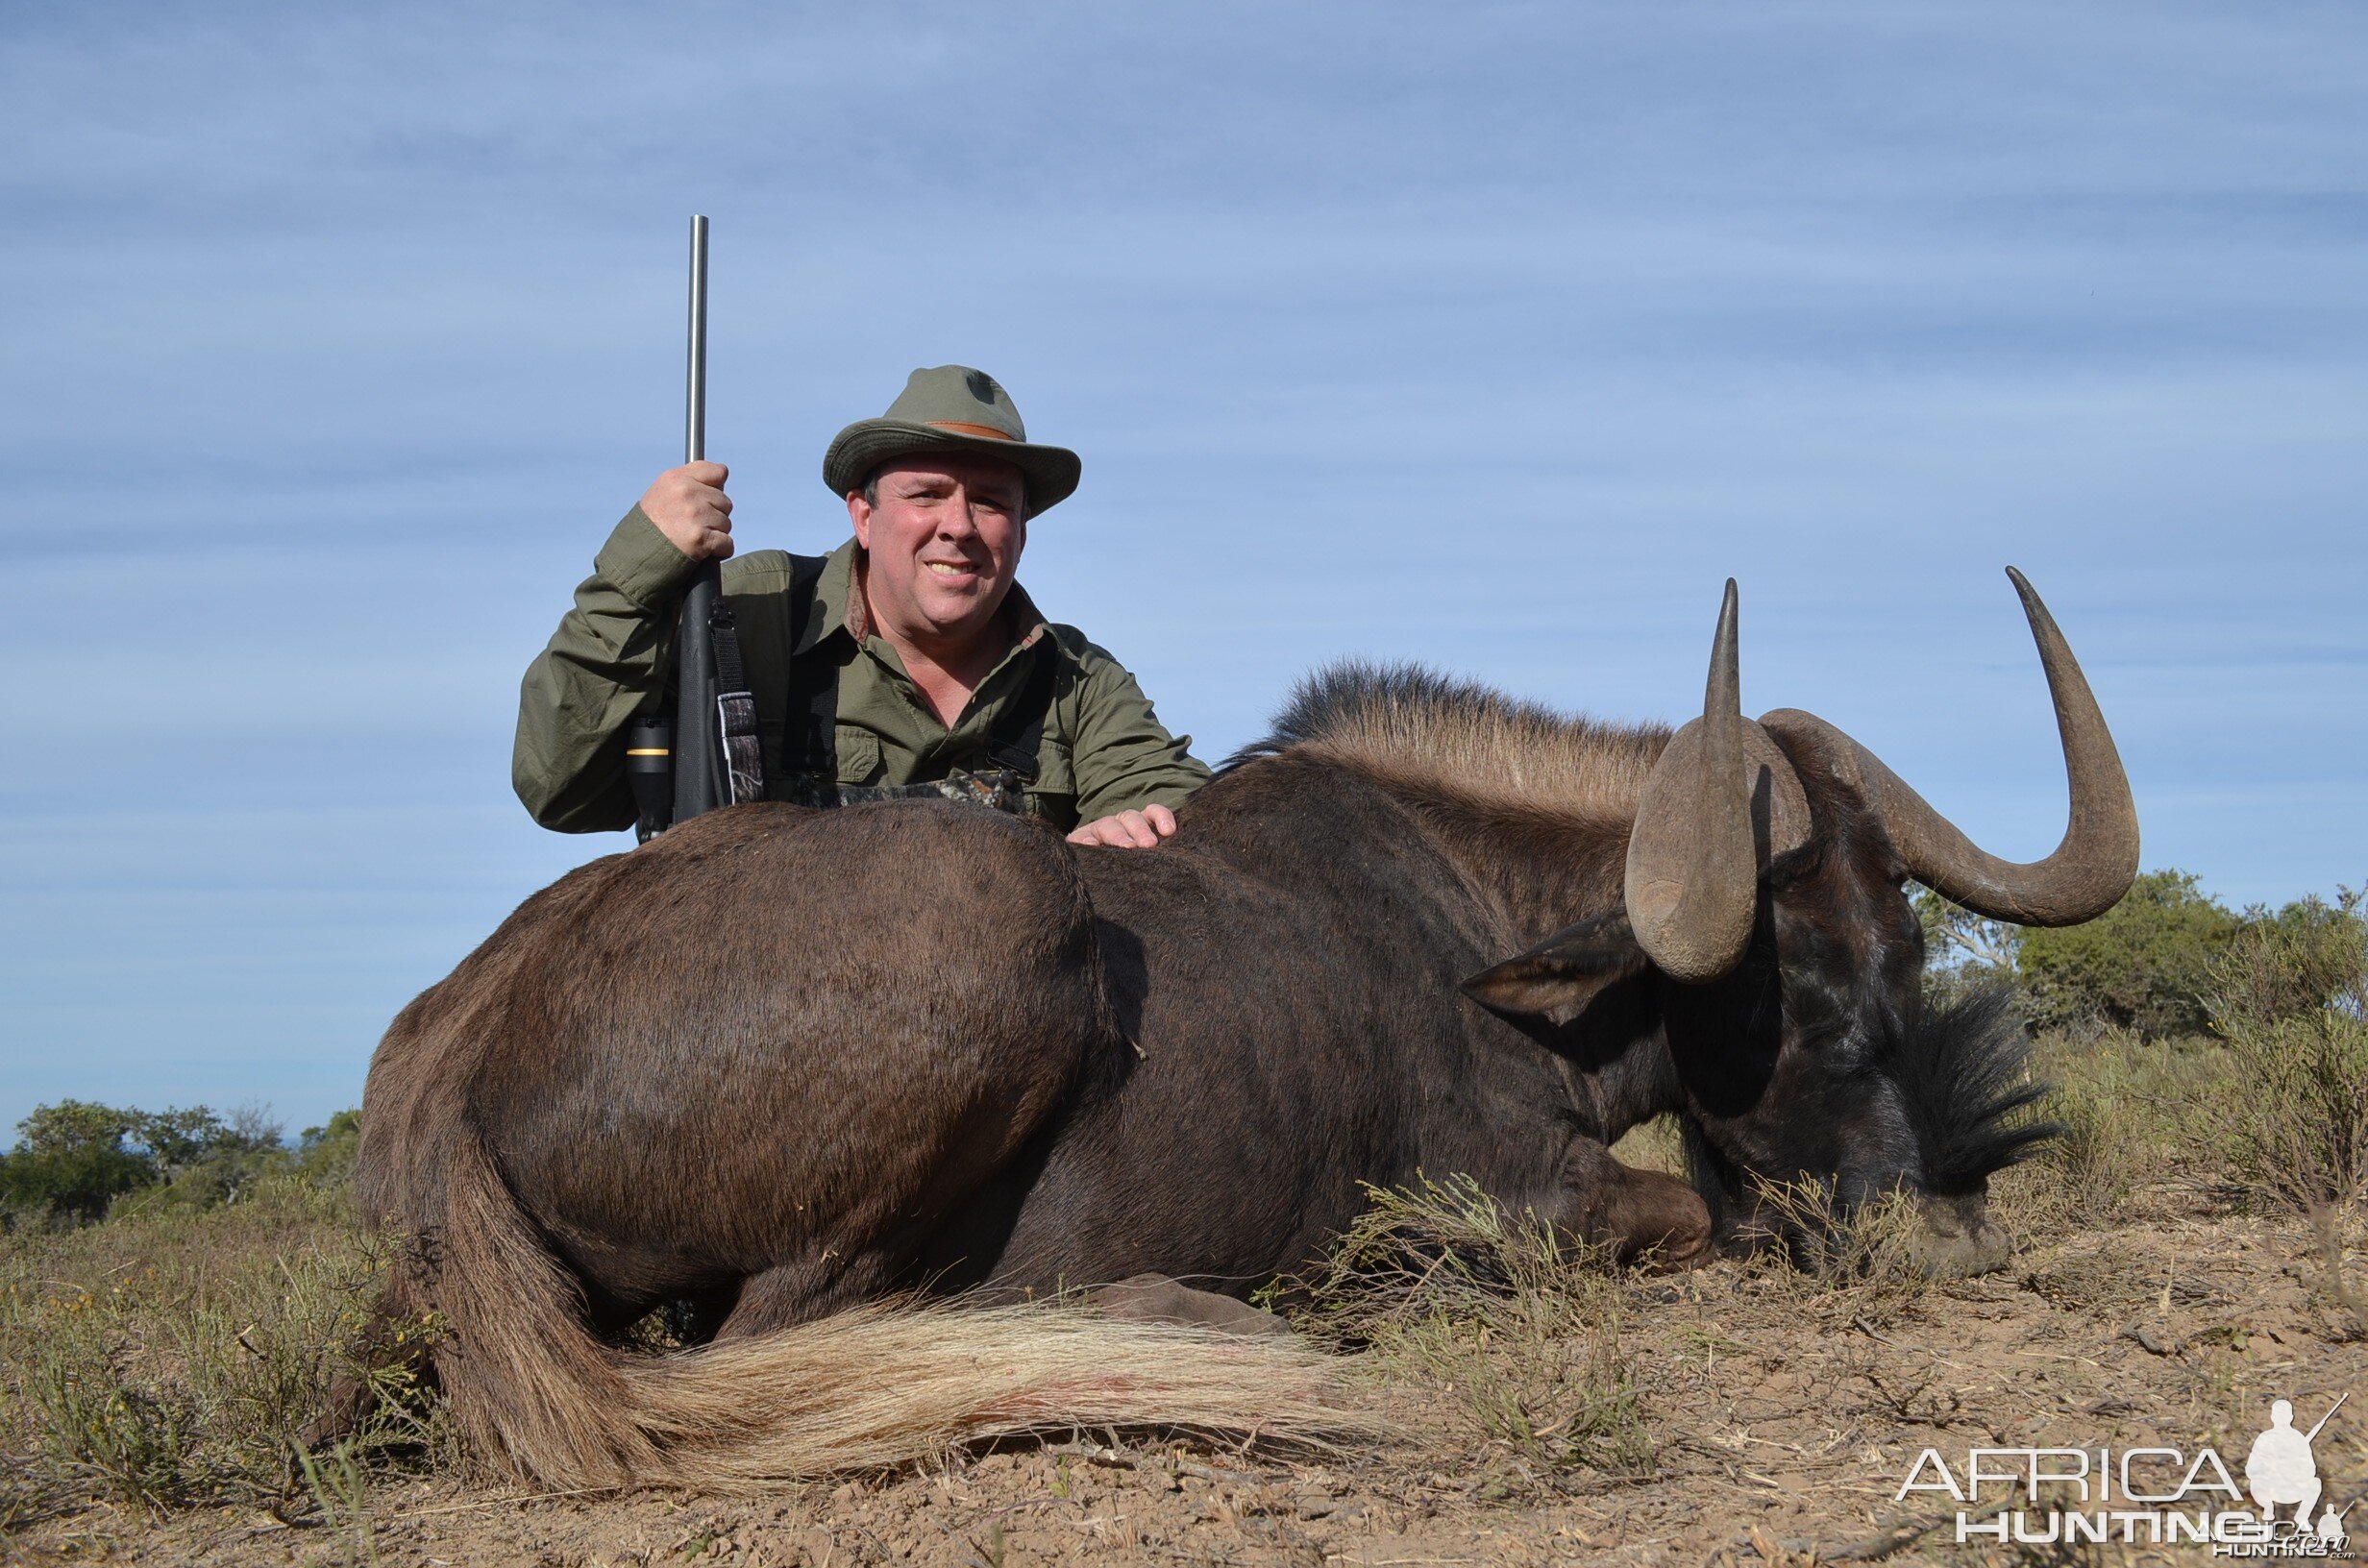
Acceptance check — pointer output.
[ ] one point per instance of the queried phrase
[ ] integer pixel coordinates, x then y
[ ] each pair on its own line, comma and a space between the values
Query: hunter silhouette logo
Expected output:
2282, 1472
2156, 1496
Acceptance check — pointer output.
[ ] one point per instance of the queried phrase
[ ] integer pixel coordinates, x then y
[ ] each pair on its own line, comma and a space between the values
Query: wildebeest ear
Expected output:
1565, 969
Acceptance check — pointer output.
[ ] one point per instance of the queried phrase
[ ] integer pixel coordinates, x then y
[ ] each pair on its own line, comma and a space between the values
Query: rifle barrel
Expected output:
698, 746
695, 421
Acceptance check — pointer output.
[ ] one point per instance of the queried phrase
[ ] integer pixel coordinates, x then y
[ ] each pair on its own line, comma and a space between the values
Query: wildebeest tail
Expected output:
531, 1387
887, 1383
524, 1375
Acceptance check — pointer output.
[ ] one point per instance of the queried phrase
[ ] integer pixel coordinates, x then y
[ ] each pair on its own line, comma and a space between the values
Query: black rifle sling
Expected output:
735, 710
809, 739
810, 748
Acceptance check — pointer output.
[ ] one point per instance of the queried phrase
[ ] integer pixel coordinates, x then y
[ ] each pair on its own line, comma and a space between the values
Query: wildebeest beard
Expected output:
792, 1061
1966, 1097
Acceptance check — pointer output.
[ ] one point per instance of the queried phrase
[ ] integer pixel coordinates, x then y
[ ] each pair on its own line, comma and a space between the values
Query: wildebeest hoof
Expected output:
1958, 1240
1155, 1298
1667, 1224
1646, 1217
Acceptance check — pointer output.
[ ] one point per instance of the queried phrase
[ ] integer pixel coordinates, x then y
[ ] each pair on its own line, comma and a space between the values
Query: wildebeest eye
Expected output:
1566, 968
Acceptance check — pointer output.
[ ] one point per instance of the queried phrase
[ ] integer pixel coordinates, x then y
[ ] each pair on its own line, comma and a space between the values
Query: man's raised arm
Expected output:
605, 661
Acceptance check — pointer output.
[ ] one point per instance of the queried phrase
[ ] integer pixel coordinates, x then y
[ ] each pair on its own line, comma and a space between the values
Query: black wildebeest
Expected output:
780, 1063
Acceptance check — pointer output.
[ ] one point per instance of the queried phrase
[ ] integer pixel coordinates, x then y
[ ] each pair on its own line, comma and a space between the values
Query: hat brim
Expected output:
1051, 472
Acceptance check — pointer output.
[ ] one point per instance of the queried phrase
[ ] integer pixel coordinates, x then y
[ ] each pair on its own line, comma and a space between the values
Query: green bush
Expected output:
2169, 960
70, 1164
2145, 964
2290, 999
1964, 952
76, 1159
325, 1155
2291, 964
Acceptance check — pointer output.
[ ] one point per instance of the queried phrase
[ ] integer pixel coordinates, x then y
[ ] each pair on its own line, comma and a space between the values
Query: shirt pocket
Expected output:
1053, 795
859, 755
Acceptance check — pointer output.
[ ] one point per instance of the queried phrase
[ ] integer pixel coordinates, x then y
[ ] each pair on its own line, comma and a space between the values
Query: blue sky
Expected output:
1493, 335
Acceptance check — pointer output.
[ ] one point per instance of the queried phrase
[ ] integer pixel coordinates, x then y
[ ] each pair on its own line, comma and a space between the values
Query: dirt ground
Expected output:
1782, 1415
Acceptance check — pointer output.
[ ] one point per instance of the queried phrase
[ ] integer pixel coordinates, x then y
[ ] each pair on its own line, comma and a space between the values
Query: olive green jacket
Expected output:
1103, 748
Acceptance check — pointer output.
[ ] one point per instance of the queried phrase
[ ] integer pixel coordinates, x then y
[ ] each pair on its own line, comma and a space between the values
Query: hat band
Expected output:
956, 427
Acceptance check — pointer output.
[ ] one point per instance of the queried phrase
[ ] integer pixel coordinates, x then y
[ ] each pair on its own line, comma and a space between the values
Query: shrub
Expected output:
173, 1357
1955, 935
2289, 965
70, 1162
2301, 1108
2145, 964
2290, 998
76, 1159
1965, 953
2129, 1114
325, 1155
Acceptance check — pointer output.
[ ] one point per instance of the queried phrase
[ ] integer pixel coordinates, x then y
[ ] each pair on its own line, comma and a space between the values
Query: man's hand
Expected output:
1129, 829
690, 508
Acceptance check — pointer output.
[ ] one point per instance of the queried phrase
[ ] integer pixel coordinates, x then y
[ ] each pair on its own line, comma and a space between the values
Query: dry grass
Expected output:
1818, 1249
1519, 1325
2296, 1114
169, 1361
2130, 1110
1658, 1144
171, 1358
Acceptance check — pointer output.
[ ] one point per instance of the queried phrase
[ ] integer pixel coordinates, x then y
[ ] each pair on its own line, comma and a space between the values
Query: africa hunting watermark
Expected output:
2146, 1496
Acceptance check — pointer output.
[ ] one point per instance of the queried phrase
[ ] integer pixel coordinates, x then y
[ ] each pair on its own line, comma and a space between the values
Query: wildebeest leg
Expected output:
799, 1292
1155, 1298
1642, 1215
389, 1341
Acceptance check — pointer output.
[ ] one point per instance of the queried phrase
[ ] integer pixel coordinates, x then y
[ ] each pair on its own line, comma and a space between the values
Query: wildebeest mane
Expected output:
1416, 728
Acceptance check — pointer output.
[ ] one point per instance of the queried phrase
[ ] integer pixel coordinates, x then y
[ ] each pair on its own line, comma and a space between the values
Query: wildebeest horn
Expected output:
1694, 880
2089, 871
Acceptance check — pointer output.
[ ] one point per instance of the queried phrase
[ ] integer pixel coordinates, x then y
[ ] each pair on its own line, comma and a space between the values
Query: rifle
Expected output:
703, 754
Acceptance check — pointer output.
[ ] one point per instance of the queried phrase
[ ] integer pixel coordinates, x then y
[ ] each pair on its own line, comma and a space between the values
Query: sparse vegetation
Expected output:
2127, 1108
2168, 962
1518, 1324
1817, 1245
173, 1357
2290, 999
76, 1161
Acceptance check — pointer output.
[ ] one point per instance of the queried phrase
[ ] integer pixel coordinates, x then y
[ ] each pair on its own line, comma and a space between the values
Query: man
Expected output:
909, 660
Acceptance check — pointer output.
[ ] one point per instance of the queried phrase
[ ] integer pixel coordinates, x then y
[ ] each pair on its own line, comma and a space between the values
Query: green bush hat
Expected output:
951, 408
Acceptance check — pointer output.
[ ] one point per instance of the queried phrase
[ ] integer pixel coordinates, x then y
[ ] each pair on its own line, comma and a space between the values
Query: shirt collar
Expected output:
839, 607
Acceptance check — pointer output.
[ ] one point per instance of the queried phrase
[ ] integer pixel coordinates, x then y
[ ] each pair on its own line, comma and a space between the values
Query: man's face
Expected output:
944, 541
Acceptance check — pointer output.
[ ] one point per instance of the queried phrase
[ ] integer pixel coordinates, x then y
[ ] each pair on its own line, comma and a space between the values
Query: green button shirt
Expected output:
1104, 751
